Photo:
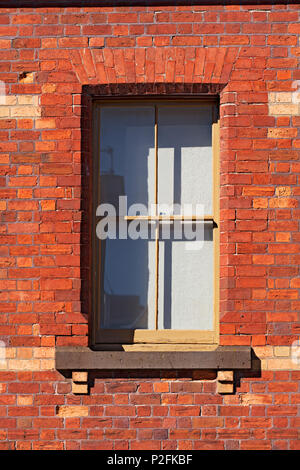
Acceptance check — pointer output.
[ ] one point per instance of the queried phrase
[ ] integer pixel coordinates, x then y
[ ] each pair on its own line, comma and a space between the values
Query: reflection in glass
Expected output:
127, 154
128, 284
127, 168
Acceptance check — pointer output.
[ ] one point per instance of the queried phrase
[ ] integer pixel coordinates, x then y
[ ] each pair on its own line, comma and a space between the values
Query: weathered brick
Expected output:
72, 411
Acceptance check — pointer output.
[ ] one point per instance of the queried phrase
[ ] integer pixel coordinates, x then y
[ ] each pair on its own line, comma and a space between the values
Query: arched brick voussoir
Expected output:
94, 65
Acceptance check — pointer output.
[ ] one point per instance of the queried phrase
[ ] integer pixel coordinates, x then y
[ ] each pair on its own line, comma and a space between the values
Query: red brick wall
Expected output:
47, 55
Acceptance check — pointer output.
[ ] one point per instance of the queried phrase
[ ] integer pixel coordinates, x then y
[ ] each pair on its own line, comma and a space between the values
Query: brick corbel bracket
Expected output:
80, 382
225, 381
224, 359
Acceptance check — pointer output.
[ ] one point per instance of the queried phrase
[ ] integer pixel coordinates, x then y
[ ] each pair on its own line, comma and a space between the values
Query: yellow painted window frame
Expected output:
145, 339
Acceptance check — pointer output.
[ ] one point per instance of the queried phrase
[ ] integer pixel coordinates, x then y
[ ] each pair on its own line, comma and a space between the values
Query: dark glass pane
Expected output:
127, 154
127, 284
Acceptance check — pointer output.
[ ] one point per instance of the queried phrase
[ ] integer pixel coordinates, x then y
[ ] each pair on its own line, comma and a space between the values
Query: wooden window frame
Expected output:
145, 339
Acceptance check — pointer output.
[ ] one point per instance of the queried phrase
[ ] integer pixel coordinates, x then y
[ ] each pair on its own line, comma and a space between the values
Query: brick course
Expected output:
50, 58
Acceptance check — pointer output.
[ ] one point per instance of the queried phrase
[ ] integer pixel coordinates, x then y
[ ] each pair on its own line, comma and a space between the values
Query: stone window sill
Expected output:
223, 357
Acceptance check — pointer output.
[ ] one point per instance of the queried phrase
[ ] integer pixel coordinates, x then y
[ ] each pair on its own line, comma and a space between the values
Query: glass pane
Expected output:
127, 280
127, 154
185, 171
185, 176
186, 280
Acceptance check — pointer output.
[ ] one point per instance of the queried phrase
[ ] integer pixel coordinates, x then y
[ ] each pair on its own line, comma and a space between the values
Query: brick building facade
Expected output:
52, 60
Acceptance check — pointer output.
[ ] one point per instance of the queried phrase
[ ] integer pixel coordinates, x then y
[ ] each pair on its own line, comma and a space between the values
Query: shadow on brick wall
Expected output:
254, 372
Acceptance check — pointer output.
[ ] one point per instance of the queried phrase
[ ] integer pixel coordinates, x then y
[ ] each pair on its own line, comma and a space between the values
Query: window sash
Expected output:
157, 336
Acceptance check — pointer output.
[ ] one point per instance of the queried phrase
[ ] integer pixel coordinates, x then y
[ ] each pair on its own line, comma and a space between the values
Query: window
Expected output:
156, 224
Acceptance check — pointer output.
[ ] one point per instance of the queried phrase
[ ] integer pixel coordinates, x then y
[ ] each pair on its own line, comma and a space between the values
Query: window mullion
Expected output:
156, 214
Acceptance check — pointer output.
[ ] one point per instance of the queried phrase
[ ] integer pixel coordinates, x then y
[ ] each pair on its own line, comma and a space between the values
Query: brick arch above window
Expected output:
96, 64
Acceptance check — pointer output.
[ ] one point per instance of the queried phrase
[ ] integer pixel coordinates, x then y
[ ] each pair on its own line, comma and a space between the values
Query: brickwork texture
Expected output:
47, 56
